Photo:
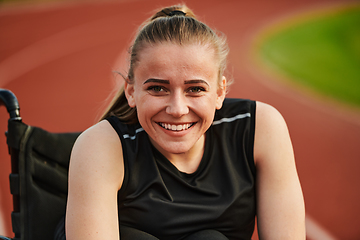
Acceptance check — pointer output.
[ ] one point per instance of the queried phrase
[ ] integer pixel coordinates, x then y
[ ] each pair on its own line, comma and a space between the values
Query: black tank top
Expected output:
159, 199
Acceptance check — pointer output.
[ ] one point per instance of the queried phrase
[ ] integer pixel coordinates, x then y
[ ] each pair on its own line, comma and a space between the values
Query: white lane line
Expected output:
61, 44
316, 232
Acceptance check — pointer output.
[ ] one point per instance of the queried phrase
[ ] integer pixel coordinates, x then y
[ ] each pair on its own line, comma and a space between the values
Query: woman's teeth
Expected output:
174, 127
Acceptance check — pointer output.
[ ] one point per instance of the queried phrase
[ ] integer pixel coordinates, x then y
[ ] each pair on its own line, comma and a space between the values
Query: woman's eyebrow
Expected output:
196, 81
154, 80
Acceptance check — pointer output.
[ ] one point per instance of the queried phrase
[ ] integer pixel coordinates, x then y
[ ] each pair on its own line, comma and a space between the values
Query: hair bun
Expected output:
176, 13
178, 10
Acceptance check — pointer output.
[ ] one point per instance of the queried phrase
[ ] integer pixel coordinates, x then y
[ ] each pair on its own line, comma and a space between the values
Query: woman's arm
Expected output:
280, 204
95, 176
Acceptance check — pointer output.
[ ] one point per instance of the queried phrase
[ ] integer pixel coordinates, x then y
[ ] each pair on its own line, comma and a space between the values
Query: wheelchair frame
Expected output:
39, 174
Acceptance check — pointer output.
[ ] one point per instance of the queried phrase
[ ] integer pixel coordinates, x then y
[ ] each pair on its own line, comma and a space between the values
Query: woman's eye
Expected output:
156, 88
196, 89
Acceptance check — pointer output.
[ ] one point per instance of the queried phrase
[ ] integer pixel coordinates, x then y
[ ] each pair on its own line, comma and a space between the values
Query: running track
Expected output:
59, 58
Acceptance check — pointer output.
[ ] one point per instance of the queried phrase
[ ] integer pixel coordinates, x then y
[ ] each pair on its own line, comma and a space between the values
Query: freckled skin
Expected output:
176, 85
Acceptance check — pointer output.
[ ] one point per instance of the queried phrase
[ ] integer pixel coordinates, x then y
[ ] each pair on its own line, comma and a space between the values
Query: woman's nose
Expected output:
177, 106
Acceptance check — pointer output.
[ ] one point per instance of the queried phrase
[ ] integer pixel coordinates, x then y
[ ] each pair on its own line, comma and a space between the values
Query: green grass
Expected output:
321, 53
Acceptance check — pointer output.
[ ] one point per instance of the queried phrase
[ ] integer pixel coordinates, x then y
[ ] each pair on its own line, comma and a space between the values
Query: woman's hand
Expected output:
280, 204
95, 176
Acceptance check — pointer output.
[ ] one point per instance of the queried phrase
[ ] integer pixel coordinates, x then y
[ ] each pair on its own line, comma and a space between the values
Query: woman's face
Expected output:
176, 92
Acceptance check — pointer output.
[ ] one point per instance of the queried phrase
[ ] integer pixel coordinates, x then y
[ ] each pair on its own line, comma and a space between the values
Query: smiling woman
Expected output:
173, 159
164, 82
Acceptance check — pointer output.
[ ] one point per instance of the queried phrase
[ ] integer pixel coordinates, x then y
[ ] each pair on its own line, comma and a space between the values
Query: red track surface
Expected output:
58, 60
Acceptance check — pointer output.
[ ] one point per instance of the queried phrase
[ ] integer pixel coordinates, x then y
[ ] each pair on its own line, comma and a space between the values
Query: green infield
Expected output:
320, 52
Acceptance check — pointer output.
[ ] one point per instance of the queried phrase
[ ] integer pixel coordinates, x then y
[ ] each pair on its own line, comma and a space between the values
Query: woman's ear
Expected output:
221, 92
129, 93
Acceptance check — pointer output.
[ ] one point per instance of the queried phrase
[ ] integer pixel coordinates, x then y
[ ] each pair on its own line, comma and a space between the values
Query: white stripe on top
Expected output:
240, 116
134, 136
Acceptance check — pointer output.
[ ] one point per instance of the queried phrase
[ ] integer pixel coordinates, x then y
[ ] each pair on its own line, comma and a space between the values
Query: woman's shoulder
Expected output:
271, 132
268, 116
98, 150
96, 174
100, 135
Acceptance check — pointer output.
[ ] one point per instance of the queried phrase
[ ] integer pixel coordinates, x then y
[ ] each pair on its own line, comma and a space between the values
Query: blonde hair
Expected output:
175, 24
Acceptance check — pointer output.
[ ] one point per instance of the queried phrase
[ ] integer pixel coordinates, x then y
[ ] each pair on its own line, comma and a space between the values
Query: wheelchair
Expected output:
39, 174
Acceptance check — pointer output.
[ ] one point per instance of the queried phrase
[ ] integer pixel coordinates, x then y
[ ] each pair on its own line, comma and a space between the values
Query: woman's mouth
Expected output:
176, 127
